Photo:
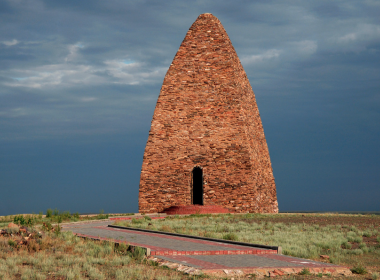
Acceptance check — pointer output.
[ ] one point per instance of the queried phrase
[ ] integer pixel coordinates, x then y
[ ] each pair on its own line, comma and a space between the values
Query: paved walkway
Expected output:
201, 254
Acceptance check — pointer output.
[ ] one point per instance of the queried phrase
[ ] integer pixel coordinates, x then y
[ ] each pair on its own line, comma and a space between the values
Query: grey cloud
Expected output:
70, 44
77, 74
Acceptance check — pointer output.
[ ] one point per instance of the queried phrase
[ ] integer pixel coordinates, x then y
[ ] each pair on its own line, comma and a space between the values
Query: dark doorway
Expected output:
198, 186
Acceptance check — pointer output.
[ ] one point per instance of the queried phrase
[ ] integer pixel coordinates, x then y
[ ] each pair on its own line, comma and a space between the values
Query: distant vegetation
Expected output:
53, 216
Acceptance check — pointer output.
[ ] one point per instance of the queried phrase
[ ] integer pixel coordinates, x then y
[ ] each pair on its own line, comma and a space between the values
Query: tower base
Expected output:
195, 209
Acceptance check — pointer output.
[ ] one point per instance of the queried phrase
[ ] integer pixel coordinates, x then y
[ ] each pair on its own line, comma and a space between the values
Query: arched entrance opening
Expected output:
197, 186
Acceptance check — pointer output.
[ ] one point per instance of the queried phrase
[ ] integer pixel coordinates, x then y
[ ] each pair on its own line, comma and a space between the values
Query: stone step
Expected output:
195, 209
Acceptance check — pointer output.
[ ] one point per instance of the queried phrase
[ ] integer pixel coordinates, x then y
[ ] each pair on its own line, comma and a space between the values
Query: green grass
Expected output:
298, 239
230, 236
64, 256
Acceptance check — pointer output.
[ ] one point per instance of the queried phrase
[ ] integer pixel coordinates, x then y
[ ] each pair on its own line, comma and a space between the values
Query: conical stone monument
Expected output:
206, 143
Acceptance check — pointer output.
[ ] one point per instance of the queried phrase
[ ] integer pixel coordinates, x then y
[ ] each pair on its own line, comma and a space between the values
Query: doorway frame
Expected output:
192, 185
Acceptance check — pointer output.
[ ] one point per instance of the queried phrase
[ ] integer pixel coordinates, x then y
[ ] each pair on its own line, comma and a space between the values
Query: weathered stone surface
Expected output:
206, 116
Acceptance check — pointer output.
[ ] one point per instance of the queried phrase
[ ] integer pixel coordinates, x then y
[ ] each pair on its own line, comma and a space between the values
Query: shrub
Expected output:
346, 245
358, 239
209, 234
65, 215
47, 226
101, 215
353, 228
49, 213
121, 248
12, 243
147, 218
138, 253
367, 233
354, 238
137, 221
305, 271
30, 221
55, 212
19, 220
356, 252
359, 270
230, 236
166, 228
57, 230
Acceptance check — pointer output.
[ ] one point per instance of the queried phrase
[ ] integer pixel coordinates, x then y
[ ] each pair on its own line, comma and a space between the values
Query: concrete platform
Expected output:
197, 255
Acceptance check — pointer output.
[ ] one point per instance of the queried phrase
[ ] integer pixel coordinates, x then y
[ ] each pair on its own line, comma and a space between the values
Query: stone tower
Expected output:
206, 143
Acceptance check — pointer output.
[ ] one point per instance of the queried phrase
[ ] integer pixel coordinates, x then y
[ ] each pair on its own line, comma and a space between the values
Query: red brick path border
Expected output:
130, 218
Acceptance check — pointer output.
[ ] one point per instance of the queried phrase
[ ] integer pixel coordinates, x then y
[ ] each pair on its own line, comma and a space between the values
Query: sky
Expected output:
79, 81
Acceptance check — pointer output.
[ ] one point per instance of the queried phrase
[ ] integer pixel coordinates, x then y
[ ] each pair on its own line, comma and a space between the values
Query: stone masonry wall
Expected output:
206, 115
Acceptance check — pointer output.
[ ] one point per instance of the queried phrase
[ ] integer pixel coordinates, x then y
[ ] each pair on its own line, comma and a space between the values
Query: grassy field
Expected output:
350, 240
53, 216
65, 256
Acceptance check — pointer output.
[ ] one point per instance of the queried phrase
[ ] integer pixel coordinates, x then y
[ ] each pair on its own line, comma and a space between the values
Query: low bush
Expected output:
346, 245
355, 252
101, 215
305, 271
138, 253
367, 233
19, 220
12, 243
49, 213
230, 236
359, 269
137, 221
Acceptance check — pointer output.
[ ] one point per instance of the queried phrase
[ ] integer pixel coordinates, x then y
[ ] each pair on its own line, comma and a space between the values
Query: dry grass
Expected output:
53, 216
65, 256
349, 240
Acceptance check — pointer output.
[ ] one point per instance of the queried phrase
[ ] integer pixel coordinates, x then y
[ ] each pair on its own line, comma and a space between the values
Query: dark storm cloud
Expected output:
77, 74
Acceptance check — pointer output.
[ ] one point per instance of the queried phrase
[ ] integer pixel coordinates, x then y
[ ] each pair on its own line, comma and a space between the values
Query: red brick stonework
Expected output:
207, 118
